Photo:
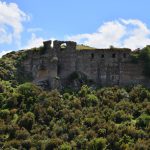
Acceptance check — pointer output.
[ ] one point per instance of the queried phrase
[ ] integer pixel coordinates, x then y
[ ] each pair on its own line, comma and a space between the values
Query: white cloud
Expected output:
122, 33
34, 29
5, 37
34, 42
3, 53
11, 19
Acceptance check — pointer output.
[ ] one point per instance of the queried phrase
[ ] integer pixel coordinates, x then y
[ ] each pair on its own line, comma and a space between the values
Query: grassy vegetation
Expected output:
84, 47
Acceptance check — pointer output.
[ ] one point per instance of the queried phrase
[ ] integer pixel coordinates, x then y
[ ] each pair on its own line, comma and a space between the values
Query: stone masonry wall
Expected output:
105, 67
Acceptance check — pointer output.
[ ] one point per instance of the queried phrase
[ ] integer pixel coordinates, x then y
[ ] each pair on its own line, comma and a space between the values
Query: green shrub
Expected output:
144, 56
22, 134
143, 121
92, 100
53, 143
4, 114
142, 144
121, 116
13, 144
89, 122
65, 146
97, 144
27, 120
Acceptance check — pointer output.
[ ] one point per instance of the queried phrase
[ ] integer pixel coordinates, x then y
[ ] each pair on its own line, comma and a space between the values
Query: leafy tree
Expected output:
120, 116
27, 120
65, 146
98, 144
4, 114
53, 143
143, 121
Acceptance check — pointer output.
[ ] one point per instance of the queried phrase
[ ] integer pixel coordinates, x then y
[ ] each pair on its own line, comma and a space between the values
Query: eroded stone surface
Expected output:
103, 67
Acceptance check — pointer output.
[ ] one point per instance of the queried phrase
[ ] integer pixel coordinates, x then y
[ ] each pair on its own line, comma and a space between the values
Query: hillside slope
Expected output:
104, 118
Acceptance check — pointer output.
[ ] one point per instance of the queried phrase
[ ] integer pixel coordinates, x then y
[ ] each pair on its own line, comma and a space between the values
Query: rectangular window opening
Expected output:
113, 55
102, 56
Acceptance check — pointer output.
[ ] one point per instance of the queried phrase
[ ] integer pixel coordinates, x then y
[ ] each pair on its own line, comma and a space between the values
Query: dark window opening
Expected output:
124, 55
102, 56
113, 55
59, 69
92, 56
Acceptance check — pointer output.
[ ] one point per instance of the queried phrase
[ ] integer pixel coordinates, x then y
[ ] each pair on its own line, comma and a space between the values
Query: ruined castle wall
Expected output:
66, 59
66, 63
86, 62
131, 74
106, 67
101, 66
42, 65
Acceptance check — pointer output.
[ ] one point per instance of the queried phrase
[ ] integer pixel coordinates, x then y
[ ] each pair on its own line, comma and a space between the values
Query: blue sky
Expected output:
99, 23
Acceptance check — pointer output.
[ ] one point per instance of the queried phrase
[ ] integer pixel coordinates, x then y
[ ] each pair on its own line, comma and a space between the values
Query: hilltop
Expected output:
84, 118
68, 65
76, 63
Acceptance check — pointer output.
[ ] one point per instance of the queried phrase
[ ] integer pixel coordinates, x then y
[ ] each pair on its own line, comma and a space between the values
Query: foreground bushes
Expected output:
107, 118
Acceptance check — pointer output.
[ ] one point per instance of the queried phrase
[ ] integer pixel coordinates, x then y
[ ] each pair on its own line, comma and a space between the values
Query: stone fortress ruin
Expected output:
63, 62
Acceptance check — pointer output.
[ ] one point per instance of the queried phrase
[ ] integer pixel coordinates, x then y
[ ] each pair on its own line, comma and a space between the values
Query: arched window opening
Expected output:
63, 46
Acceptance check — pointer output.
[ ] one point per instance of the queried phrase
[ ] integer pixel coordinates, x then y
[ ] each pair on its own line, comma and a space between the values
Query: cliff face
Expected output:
63, 64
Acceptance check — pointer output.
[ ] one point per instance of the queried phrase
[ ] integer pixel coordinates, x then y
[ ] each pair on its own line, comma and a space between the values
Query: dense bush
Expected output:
144, 56
106, 118
97, 144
